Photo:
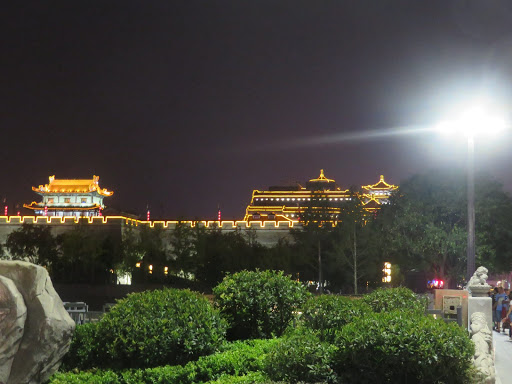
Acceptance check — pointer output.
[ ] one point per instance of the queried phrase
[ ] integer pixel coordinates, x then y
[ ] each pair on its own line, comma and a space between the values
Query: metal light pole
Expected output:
473, 121
471, 208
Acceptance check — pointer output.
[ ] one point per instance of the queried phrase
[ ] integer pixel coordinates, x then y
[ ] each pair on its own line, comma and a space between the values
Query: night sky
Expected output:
184, 105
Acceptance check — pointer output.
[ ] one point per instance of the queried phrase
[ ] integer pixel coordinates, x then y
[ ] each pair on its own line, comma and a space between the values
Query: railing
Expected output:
79, 312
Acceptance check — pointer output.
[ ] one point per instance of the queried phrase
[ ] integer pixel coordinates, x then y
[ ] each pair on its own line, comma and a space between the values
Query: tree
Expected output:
33, 243
317, 221
87, 256
348, 237
183, 249
155, 252
424, 227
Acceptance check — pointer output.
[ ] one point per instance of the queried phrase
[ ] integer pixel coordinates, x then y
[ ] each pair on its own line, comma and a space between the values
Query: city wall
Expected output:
266, 233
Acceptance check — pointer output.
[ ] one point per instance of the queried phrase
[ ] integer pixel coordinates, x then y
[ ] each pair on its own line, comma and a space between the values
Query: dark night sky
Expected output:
188, 104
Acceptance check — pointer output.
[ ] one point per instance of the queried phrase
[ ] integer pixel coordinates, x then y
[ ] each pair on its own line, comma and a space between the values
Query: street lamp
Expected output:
473, 122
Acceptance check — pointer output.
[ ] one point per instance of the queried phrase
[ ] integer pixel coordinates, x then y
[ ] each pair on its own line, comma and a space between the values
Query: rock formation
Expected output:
47, 330
13, 313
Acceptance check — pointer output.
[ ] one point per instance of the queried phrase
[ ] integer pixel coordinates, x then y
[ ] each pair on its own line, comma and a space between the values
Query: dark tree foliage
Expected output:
354, 255
317, 222
424, 227
87, 256
153, 251
33, 243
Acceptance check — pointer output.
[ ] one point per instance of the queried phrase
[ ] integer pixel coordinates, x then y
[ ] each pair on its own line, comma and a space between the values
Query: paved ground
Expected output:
503, 357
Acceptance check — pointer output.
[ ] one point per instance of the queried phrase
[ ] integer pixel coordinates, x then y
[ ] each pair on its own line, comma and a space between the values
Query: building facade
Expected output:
70, 197
285, 203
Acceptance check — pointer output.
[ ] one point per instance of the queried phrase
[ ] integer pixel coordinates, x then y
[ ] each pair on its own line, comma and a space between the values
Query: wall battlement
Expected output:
267, 232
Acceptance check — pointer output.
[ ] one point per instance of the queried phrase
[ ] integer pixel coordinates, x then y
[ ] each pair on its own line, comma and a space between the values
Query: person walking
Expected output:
500, 298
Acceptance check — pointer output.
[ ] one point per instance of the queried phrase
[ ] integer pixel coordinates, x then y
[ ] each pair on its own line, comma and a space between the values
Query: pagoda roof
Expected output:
381, 184
322, 178
72, 186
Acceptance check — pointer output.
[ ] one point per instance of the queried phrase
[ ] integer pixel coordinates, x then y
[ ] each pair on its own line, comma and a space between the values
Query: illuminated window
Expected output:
83, 200
288, 199
293, 199
271, 198
50, 200
67, 200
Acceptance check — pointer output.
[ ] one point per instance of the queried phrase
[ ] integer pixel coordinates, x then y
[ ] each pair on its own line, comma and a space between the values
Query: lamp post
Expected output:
472, 122
471, 208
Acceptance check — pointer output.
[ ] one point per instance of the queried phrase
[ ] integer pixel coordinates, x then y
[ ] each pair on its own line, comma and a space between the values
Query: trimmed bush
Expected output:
239, 359
301, 357
400, 347
250, 378
96, 377
258, 304
389, 299
160, 327
85, 351
329, 313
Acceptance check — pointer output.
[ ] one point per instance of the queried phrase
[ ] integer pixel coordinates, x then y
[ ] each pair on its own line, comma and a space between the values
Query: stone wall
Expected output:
266, 233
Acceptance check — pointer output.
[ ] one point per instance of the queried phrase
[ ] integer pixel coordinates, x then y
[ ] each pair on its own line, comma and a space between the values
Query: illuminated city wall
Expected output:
267, 233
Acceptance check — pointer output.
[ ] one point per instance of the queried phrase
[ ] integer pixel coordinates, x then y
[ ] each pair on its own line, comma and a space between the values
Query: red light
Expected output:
219, 215
147, 216
18, 213
100, 212
46, 210
6, 210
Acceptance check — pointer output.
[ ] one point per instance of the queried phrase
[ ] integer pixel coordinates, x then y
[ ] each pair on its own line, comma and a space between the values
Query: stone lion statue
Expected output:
479, 277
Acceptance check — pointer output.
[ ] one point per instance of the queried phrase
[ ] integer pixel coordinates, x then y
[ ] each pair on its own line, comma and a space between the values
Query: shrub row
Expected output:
393, 347
149, 329
383, 337
258, 304
236, 362
390, 299
329, 313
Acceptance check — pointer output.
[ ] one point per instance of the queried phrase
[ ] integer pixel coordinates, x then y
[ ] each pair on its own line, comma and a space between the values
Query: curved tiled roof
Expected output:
72, 186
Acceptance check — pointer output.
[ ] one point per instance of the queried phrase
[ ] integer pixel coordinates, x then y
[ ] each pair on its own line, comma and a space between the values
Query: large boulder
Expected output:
48, 327
13, 313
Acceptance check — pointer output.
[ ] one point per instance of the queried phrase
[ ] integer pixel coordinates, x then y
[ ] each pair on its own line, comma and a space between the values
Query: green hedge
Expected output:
258, 304
400, 347
86, 350
329, 313
160, 327
301, 356
238, 359
389, 299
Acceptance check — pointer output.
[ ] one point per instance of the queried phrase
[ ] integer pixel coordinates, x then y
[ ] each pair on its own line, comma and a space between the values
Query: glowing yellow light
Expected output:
150, 267
137, 265
166, 270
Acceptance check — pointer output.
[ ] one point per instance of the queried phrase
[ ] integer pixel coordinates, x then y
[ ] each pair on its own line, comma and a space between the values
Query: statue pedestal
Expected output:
480, 304
479, 290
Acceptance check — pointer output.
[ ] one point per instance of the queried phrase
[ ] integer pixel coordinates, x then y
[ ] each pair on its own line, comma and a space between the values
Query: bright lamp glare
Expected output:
473, 122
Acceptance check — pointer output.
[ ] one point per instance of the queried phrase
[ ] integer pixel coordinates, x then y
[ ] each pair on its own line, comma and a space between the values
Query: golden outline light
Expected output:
56, 186
228, 224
